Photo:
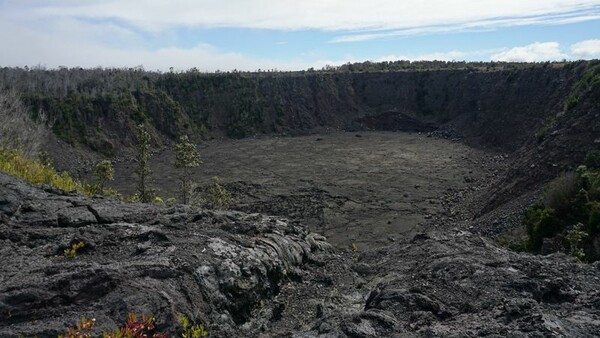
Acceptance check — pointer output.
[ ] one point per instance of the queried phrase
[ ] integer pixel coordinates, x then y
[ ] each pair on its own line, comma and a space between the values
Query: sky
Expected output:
249, 35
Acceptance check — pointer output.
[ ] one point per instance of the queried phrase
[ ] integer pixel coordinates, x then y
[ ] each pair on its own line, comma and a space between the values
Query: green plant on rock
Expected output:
574, 238
549, 123
592, 159
559, 192
515, 239
135, 198
541, 134
189, 330
216, 196
142, 156
83, 329
45, 159
572, 102
71, 252
36, 172
136, 327
540, 222
186, 158
573, 198
104, 172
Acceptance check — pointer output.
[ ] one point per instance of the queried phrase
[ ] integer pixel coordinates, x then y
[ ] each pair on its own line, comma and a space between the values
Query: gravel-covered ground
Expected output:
368, 188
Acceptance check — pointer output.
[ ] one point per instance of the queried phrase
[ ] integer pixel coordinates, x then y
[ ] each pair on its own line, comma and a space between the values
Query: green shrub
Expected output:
191, 330
570, 206
45, 159
593, 221
590, 181
72, 251
592, 159
572, 102
216, 196
588, 82
574, 238
135, 198
516, 244
559, 192
540, 222
135, 327
541, 134
83, 329
36, 172
104, 172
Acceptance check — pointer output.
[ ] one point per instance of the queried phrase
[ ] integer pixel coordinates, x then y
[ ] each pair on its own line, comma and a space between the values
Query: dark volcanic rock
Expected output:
142, 258
253, 275
461, 285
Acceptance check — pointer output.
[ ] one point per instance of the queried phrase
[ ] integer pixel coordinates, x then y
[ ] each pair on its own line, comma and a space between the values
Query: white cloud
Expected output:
535, 52
74, 43
155, 15
476, 25
588, 49
77, 45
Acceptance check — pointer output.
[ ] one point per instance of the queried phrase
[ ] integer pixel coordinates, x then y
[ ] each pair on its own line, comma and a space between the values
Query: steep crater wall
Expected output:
496, 108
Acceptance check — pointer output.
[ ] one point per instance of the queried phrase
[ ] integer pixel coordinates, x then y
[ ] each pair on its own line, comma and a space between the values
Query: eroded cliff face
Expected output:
497, 108
558, 146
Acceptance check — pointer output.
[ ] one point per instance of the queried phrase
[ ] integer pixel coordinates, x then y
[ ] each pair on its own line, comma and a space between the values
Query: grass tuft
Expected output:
37, 173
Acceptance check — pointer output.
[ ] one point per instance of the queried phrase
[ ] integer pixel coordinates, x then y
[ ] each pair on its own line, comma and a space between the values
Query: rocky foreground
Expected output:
254, 275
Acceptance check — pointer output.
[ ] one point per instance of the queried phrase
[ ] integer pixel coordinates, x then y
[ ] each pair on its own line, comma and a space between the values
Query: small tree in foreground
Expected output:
215, 196
143, 171
575, 237
186, 158
104, 172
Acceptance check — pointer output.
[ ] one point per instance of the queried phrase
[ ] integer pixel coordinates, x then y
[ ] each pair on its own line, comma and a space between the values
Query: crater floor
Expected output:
368, 188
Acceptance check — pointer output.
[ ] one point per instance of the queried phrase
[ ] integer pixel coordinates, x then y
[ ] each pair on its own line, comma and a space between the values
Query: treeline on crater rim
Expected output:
83, 102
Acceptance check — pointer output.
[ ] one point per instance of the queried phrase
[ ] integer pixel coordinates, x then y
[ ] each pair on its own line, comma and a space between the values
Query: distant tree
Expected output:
186, 158
143, 171
18, 131
104, 172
